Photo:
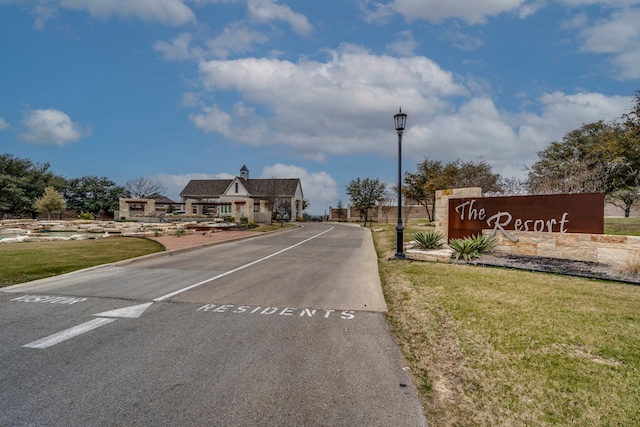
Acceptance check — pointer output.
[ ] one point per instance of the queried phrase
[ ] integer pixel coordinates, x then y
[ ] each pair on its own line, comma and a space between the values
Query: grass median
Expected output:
23, 262
491, 346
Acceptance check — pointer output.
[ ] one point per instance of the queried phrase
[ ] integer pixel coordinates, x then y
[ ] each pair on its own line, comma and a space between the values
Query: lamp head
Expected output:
400, 120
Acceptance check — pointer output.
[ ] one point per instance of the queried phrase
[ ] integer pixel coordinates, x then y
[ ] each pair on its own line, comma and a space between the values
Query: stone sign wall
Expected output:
552, 213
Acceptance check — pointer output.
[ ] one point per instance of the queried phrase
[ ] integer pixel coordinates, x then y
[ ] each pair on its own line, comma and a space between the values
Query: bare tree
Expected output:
386, 202
511, 187
141, 188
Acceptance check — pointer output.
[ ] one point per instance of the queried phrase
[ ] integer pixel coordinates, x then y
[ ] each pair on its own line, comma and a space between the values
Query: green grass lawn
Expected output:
622, 226
493, 347
23, 262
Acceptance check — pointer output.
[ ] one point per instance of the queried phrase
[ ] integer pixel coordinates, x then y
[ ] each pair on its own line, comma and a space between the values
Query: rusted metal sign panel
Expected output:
556, 213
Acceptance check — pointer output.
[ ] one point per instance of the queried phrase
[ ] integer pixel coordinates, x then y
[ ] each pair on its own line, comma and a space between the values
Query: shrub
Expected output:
180, 232
631, 268
85, 215
428, 239
485, 243
472, 247
157, 232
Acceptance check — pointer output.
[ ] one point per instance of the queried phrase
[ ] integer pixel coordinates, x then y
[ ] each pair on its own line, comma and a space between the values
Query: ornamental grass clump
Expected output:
428, 239
472, 247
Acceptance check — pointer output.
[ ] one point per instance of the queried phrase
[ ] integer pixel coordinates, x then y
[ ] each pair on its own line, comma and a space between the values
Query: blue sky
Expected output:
175, 90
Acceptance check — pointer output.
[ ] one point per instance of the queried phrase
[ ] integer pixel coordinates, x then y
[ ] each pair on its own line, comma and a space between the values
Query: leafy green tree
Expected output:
93, 194
476, 173
597, 157
432, 175
365, 195
421, 185
625, 148
577, 164
21, 182
51, 201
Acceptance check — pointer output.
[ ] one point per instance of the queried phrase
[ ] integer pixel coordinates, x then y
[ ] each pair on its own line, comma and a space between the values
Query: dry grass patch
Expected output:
491, 346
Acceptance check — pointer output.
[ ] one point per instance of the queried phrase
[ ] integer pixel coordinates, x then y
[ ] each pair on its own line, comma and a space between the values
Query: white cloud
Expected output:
405, 46
3, 124
42, 14
461, 40
235, 38
178, 50
50, 126
472, 12
319, 188
345, 106
168, 12
269, 10
604, 3
243, 124
508, 142
337, 106
618, 36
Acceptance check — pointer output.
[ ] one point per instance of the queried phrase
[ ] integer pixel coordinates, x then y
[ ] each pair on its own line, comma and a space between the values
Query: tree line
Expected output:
27, 188
598, 157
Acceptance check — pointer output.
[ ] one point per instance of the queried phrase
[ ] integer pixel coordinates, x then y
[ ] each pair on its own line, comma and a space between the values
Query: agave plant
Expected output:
428, 239
472, 247
485, 243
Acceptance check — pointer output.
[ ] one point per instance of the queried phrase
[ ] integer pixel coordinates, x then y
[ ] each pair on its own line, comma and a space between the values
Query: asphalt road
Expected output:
282, 329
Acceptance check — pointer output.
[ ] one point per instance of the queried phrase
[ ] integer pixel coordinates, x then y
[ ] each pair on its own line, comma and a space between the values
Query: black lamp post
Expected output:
400, 120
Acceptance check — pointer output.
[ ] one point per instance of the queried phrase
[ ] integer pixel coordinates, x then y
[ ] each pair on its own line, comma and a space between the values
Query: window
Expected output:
225, 209
236, 187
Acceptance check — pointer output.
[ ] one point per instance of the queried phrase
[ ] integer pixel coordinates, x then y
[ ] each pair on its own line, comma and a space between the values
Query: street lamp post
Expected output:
400, 120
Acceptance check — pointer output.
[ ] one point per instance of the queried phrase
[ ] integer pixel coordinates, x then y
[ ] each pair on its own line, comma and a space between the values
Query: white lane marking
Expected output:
132, 312
68, 333
242, 267
49, 299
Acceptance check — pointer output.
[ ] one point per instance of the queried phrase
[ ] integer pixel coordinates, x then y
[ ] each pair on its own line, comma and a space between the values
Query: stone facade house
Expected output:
152, 206
243, 197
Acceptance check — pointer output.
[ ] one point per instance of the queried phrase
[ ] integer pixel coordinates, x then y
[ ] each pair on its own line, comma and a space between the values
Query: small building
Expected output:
243, 197
152, 206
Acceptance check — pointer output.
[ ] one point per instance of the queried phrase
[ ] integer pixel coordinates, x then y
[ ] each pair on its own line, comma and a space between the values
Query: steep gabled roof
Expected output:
205, 187
256, 187
272, 187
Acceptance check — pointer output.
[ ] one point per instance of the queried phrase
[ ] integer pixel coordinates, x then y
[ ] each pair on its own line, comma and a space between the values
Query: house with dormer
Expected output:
243, 197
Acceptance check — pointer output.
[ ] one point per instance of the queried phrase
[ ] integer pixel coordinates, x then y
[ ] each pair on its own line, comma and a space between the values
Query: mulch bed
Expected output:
591, 270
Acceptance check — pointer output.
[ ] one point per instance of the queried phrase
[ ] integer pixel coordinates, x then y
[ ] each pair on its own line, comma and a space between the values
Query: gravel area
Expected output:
592, 270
